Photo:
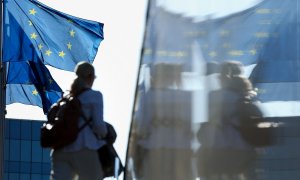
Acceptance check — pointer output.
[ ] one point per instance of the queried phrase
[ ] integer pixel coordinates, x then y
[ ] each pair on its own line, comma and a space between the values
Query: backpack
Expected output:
61, 128
254, 128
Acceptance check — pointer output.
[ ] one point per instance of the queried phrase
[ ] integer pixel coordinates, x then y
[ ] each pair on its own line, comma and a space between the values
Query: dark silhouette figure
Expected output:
224, 154
164, 127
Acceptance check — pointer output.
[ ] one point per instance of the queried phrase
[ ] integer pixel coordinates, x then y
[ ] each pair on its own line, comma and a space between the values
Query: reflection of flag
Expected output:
266, 33
166, 37
266, 36
36, 35
58, 39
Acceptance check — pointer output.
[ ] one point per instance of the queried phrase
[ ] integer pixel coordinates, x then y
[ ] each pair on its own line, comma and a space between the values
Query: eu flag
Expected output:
35, 36
31, 83
58, 39
265, 37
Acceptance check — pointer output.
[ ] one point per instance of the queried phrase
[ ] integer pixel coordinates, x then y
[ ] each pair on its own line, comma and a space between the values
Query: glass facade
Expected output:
24, 158
196, 67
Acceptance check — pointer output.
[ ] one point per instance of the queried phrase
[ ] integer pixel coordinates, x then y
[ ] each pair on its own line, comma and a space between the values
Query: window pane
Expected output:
26, 130
36, 155
14, 150
26, 151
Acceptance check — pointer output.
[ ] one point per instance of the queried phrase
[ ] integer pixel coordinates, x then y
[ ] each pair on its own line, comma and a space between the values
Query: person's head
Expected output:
164, 75
228, 70
231, 68
85, 73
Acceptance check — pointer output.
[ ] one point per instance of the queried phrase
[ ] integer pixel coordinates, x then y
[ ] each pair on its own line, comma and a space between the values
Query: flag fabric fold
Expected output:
58, 39
35, 35
265, 36
31, 83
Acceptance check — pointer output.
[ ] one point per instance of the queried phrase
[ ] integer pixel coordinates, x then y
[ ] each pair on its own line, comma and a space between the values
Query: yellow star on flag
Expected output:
180, 54
262, 35
61, 54
69, 45
236, 53
32, 11
35, 92
252, 52
72, 33
224, 33
33, 36
148, 51
48, 52
40, 46
213, 54
29, 23
263, 11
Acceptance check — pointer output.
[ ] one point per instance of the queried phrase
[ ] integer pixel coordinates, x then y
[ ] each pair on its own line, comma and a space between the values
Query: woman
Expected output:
226, 155
80, 159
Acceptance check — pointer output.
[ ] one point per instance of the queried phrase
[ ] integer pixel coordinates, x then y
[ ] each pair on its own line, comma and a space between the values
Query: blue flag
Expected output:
58, 39
31, 83
36, 35
265, 36
265, 33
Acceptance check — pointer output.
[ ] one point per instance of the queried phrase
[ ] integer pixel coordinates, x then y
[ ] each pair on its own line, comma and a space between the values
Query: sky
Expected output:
118, 56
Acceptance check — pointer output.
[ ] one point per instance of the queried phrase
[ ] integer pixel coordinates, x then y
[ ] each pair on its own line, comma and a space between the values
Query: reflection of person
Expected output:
226, 155
164, 129
80, 159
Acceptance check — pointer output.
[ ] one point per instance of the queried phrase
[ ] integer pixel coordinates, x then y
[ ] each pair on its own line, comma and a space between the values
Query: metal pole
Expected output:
2, 97
150, 3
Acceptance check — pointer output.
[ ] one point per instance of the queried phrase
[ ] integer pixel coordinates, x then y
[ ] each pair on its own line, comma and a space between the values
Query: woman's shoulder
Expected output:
224, 95
94, 92
224, 92
91, 95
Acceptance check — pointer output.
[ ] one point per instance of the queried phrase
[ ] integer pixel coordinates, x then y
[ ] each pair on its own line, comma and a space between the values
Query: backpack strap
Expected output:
87, 121
111, 134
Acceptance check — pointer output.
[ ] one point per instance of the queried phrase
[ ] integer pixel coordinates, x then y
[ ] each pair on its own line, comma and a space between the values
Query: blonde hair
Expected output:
83, 70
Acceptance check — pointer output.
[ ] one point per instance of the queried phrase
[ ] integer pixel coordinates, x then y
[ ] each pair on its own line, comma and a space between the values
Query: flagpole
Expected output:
2, 96
149, 3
